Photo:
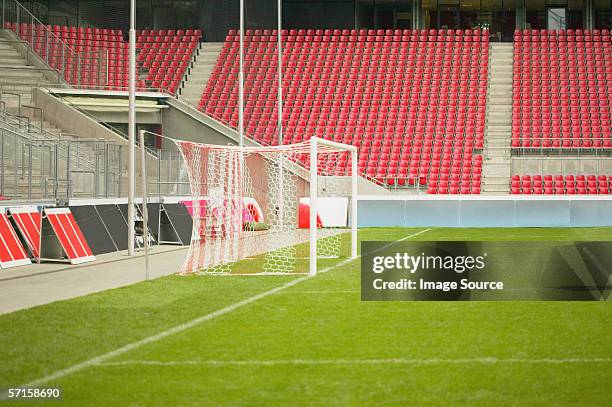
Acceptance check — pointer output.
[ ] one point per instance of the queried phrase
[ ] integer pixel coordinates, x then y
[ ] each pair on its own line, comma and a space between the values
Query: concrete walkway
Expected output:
38, 284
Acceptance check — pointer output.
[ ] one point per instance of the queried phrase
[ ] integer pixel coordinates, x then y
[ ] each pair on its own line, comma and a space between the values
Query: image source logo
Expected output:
485, 270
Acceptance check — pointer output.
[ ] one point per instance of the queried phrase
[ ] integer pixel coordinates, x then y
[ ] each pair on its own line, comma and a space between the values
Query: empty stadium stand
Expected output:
561, 184
412, 101
165, 56
18, 76
99, 57
562, 90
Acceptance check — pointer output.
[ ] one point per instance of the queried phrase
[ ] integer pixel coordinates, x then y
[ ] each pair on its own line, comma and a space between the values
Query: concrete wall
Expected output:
566, 165
71, 120
183, 122
485, 211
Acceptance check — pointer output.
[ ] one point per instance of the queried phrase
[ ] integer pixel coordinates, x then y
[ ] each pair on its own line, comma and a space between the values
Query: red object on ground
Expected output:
69, 235
28, 223
304, 217
12, 253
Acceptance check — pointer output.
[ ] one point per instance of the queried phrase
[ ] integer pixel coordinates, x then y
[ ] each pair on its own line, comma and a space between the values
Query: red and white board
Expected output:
28, 222
68, 234
12, 253
331, 212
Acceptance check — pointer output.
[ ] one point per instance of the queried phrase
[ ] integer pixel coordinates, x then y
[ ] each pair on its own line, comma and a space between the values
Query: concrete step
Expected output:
13, 61
501, 60
494, 133
497, 116
496, 62
501, 81
201, 73
501, 186
500, 108
497, 86
500, 88
207, 57
506, 138
506, 192
499, 102
499, 122
20, 74
497, 142
214, 46
9, 53
498, 129
5, 45
497, 154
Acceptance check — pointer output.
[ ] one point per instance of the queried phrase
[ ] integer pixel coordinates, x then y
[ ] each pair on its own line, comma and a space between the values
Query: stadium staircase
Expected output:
497, 164
30, 141
18, 76
203, 64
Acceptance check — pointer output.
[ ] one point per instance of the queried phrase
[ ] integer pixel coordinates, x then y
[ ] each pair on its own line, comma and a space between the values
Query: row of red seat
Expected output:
569, 35
393, 100
166, 56
560, 184
562, 92
359, 32
170, 32
101, 56
325, 39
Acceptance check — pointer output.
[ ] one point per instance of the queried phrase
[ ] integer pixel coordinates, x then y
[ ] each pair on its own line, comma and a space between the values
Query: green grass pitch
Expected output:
314, 342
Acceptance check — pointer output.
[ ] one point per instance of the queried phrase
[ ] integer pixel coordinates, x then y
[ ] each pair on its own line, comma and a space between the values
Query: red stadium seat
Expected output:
371, 88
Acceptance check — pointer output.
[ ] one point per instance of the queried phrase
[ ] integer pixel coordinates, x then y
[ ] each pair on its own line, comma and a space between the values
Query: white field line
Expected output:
319, 292
183, 327
390, 361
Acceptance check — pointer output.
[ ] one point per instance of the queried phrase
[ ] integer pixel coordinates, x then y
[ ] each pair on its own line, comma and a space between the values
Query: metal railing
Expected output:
52, 169
562, 165
36, 164
591, 146
77, 65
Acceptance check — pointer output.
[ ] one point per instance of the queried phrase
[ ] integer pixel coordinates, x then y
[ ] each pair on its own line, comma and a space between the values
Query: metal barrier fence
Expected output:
35, 164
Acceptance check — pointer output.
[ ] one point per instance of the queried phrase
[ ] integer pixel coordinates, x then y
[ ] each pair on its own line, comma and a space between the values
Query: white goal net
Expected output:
270, 210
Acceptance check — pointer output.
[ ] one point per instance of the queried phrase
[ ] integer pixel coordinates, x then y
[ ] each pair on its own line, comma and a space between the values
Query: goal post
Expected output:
272, 209
314, 143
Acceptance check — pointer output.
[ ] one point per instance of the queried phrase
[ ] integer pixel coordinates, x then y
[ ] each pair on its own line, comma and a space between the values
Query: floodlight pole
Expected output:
280, 114
280, 74
241, 80
354, 179
313, 206
131, 127
145, 211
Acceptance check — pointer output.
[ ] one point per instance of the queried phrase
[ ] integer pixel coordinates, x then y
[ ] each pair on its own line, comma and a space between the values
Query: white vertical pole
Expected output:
241, 80
354, 203
131, 127
145, 211
313, 206
280, 116
280, 75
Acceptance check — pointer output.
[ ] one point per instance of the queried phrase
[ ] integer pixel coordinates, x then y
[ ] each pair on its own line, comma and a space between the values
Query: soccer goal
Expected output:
270, 210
